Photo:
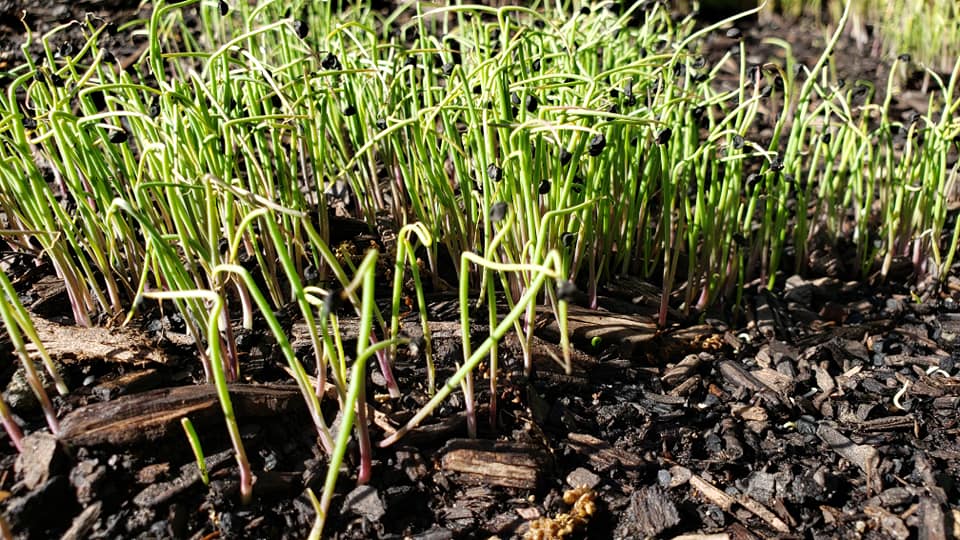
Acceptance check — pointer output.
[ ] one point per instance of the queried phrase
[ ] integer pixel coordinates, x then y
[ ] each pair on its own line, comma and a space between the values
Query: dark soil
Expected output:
828, 410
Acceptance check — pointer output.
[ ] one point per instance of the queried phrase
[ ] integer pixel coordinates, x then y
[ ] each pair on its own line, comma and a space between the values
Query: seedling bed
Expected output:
794, 381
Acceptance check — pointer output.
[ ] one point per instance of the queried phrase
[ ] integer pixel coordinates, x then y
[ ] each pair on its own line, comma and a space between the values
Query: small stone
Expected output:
152, 474
762, 487
664, 477
365, 501
413, 464
39, 459
530, 513
86, 478
582, 477
679, 476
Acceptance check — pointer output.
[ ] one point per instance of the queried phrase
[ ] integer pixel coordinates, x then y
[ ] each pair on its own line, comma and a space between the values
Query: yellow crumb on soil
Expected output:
566, 524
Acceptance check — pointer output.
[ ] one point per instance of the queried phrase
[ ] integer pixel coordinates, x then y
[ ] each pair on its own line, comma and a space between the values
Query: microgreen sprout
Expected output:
194, 441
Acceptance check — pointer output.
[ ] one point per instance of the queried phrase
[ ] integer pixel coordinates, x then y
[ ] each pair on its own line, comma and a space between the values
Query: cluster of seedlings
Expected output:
540, 150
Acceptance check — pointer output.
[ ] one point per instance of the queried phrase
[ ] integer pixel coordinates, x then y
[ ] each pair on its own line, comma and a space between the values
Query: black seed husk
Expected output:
565, 156
332, 302
118, 137
498, 211
566, 290
301, 28
532, 103
663, 136
494, 172
224, 8
544, 187
330, 62
597, 144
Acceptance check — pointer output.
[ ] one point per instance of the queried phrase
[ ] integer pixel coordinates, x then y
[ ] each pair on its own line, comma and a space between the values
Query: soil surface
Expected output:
827, 410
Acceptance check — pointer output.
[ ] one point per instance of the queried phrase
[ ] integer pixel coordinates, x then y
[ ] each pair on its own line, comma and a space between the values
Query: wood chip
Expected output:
683, 370
887, 423
153, 415
547, 360
932, 520
508, 464
736, 375
601, 454
159, 493
863, 456
650, 512
899, 360
83, 523
629, 332
79, 344
891, 525
712, 493
135, 381
726, 502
